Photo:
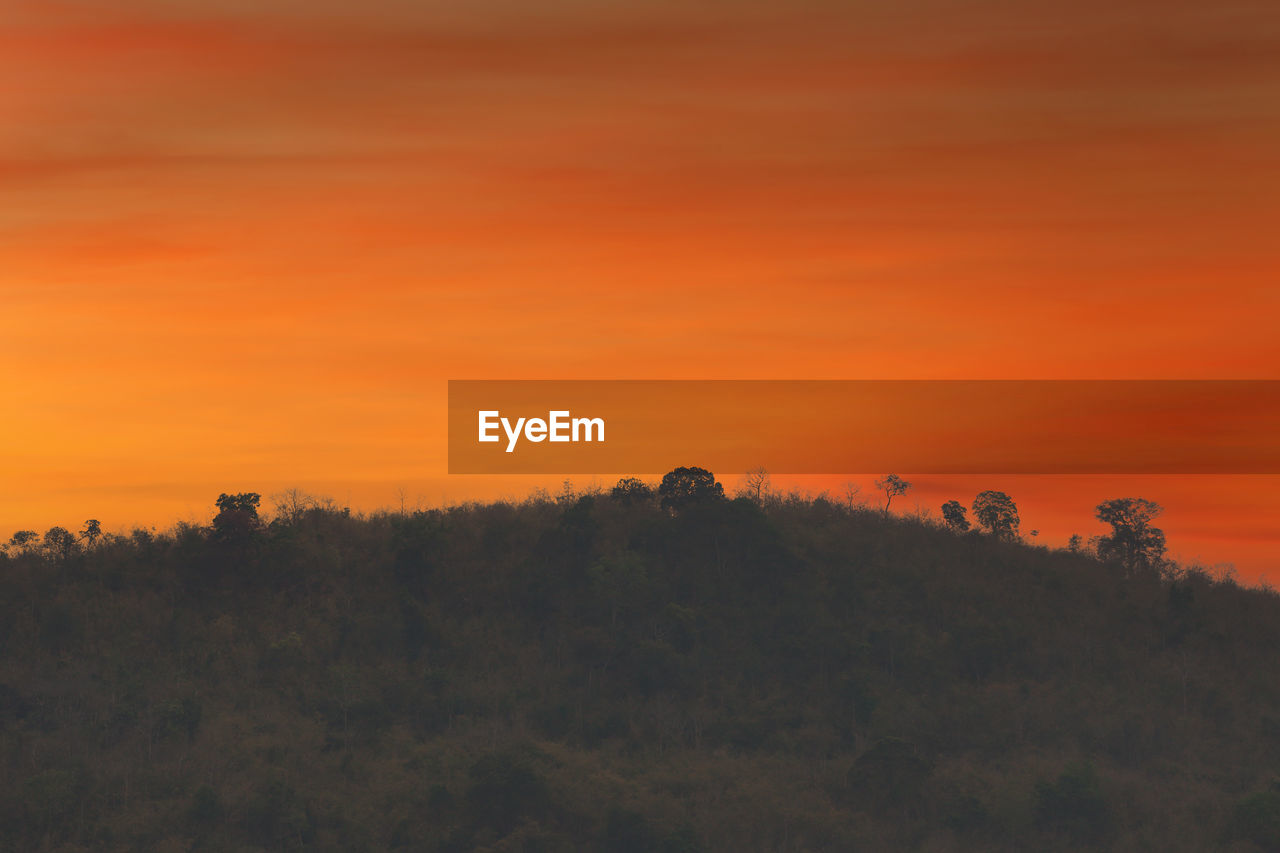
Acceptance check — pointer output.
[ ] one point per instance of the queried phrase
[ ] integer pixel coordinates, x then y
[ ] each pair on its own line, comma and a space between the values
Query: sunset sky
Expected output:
243, 246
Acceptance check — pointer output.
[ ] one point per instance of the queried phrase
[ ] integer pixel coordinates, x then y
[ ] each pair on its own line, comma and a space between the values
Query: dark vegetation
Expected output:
637, 670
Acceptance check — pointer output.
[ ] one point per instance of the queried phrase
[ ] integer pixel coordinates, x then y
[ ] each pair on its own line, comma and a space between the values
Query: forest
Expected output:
638, 668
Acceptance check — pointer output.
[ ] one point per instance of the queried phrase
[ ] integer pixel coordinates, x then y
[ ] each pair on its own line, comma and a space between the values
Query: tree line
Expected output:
1134, 543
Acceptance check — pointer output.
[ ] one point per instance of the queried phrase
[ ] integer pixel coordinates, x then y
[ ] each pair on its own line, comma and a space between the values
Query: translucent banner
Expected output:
860, 426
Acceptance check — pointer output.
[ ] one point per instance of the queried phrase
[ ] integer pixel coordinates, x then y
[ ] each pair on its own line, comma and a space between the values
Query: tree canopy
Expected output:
686, 486
1134, 543
953, 513
892, 485
237, 515
997, 512
631, 490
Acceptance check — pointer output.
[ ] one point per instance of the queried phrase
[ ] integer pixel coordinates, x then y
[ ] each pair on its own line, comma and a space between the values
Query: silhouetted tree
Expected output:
953, 513
568, 494
60, 543
237, 515
1075, 544
997, 512
755, 484
92, 531
292, 505
685, 486
24, 539
631, 490
1133, 542
892, 485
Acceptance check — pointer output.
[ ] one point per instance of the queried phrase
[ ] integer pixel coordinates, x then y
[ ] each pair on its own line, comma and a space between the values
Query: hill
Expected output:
601, 673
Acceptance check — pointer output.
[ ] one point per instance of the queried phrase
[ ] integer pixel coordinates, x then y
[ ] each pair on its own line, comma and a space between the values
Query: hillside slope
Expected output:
600, 674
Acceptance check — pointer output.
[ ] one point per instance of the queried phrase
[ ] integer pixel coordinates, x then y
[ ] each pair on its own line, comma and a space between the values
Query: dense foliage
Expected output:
598, 672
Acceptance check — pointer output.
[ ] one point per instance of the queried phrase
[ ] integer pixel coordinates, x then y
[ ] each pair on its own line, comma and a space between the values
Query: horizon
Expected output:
1053, 528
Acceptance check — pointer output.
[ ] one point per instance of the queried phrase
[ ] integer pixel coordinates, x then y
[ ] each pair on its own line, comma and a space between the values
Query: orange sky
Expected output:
245, 250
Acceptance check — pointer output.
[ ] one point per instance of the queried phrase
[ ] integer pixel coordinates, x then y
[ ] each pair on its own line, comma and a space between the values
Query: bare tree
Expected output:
293, 504
755, 484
